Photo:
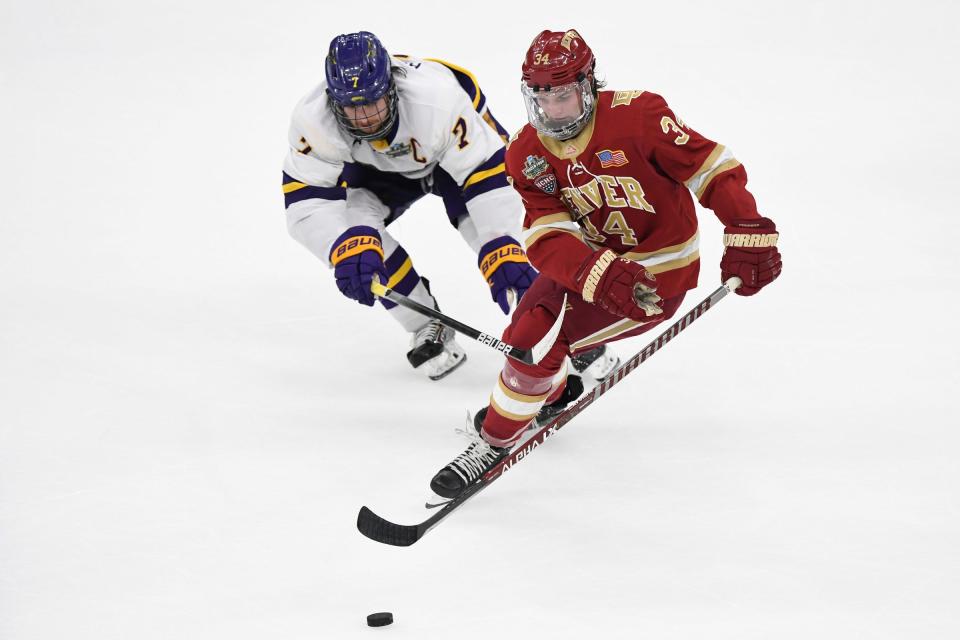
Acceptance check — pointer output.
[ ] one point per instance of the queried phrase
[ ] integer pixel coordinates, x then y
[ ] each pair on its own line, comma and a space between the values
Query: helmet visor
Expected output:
561, 111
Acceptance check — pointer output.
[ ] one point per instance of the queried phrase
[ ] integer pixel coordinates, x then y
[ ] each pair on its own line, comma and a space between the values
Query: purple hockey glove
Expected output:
357, 257
504, 264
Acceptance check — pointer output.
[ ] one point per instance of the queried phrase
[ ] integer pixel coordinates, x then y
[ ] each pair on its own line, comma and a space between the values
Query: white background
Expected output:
191, 415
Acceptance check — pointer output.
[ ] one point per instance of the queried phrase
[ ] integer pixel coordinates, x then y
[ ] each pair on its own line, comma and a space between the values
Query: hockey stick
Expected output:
529, 356
399, 535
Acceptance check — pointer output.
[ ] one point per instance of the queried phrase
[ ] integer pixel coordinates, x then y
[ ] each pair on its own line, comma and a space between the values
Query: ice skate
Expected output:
596, 363
476, 460
434, 350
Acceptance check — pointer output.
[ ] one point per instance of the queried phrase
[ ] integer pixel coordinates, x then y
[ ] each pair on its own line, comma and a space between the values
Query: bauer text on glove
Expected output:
357, 256
505, 267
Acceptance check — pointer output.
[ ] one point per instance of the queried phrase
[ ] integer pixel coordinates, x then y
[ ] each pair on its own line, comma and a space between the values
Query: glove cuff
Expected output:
750, 233
599, 267
497, 252
354, 241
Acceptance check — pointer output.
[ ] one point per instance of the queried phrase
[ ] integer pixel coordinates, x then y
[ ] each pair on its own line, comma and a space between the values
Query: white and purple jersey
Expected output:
445, 141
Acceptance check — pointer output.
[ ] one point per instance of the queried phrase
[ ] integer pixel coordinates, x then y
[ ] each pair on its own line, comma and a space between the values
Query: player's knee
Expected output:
528, 328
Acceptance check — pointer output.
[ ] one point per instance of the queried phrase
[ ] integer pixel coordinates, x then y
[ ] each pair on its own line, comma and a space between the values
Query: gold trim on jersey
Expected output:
568, 149
563, 216
561, 222
726, 166
669, 258
290, 187
607, 333
509, 414
639, 256
679, 263
473, 78
540, 233
719, 160
483, 175
492, 124
520, 397
400, 273
521, 407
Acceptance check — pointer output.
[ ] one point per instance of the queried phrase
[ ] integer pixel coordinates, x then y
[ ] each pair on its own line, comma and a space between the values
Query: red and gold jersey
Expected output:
624, 183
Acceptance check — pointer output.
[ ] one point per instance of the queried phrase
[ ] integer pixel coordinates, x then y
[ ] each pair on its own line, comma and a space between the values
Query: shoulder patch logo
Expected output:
622, 98
534, 166
546, 183
610, 158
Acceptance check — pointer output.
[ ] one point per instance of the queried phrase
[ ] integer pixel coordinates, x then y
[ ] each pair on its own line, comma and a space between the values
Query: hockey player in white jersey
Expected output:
378, 134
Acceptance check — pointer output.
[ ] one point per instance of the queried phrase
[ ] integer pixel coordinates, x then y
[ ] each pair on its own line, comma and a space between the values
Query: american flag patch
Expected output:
612, 158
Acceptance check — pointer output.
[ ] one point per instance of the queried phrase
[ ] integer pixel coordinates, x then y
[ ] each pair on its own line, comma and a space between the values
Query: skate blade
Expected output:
450, 370
434, 501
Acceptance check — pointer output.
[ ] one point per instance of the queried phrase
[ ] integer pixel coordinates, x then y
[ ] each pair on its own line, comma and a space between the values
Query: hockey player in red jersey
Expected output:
606, 179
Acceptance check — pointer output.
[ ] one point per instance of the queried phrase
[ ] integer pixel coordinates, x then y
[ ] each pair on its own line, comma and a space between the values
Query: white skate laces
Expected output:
473, 462
430, 332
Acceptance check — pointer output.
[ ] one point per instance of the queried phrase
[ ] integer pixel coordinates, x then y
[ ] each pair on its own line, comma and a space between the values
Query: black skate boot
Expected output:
435, 351
434, 348
571, 392
479, 458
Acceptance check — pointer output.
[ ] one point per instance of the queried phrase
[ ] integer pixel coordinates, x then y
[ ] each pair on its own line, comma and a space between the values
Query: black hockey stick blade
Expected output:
403, 535
380, 530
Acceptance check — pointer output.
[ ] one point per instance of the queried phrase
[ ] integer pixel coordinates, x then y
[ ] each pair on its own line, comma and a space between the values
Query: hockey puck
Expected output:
379, 619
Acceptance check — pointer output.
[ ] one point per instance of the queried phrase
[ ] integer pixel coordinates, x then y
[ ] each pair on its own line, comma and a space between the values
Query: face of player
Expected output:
368, 117
560, 112
562, 104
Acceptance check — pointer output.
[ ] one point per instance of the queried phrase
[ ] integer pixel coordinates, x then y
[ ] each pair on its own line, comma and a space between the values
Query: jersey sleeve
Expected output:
319, 205
553, 240
708, 169
315, 203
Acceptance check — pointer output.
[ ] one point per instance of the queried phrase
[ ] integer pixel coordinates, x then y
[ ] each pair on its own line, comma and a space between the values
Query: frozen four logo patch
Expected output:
398, 149
534, 166
546, 183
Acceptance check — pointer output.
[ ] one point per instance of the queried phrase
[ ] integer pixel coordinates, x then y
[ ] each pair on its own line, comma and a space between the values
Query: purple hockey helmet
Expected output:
358, 76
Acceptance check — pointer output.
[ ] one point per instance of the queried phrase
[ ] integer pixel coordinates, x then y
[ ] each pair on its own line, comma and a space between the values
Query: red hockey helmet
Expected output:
557, 57
558, 86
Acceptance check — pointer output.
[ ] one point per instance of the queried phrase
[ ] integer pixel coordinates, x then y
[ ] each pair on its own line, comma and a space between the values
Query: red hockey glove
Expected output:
620, 286
751, 254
